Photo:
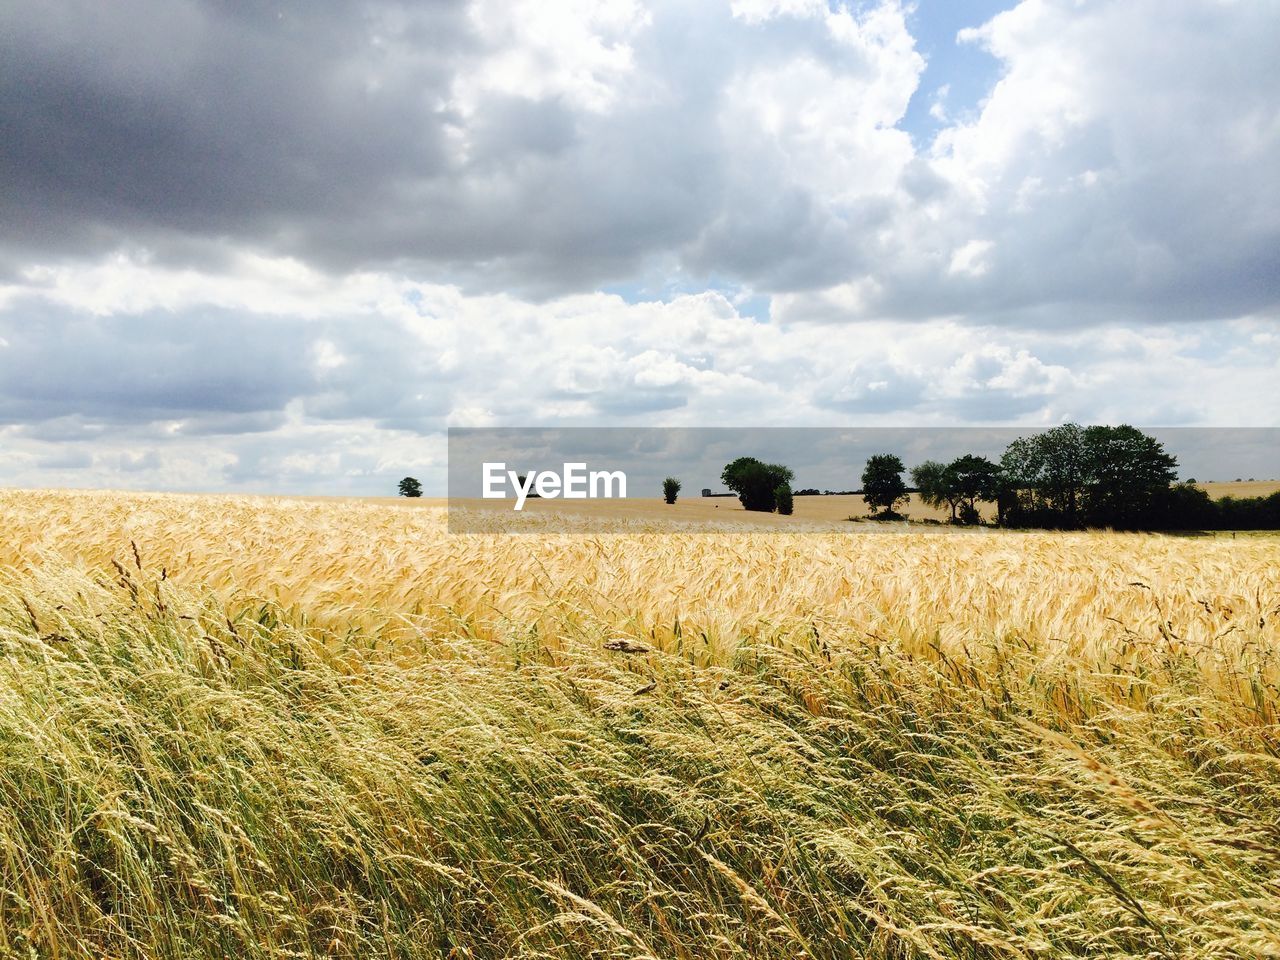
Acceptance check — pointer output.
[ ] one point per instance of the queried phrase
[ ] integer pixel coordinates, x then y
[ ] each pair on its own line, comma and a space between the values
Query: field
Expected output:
823, 509
262, 727
1240, 488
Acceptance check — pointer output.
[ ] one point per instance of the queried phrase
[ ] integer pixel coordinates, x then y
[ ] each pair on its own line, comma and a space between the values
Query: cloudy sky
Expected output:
280, 246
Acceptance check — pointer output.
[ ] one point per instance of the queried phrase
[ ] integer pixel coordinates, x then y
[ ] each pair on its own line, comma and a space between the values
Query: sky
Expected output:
282, 246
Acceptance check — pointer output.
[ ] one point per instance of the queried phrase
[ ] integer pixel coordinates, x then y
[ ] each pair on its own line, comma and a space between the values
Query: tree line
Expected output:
1067, 478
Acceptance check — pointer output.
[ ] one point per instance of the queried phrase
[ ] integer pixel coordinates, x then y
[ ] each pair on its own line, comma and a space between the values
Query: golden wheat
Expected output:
1087, 595
276, 728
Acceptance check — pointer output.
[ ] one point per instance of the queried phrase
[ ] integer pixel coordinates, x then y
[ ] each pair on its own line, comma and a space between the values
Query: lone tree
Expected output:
756, 483
782, 496
409, 487
670, 489
882, 485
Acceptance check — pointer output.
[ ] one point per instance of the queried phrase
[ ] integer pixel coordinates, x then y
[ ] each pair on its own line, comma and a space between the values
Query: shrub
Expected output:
782, 495
887, 515
755, 482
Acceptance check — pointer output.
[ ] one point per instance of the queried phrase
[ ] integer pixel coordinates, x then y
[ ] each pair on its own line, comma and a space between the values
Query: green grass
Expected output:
175, 783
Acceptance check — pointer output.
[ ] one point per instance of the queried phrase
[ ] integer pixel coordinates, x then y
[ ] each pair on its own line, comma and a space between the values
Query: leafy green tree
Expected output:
971, 479
882, 484
1072, 476
782, 496
1187, 507
934, 484
409, 487
1049, 473
1128, 476
1248, 513
755, 482
670, 489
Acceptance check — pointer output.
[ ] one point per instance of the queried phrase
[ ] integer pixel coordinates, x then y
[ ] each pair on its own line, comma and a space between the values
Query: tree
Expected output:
782, 495
971, 479
1048, 472
934, 484
882, 485
410, 487
1186, 507
670, 489
1097, 476
755, 482
1128, 475
1248, 513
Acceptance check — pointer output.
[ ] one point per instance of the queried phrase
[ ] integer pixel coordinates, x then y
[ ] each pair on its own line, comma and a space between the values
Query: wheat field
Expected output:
272, 727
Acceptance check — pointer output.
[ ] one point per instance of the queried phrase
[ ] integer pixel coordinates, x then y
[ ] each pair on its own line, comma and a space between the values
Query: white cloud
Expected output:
579, 50
830, 132
970, 259
1123, 161
326, 356
759, 11
938, 103
352, 409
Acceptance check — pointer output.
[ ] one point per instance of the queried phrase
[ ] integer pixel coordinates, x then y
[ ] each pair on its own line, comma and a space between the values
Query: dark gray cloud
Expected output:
122, 368
358, 399
869, 388
66, 375
69, 459
266, 123
211, 424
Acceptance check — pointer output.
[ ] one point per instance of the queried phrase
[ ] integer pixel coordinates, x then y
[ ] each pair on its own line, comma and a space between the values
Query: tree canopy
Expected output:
1073, 476
1128, 474
756, 482
783, 497
933, 483
882, 483
1049, 472
972, 479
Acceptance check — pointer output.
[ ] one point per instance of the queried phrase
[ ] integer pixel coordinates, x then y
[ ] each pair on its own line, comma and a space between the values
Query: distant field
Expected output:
289, 727
1245, 488
820, 509
807, 509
